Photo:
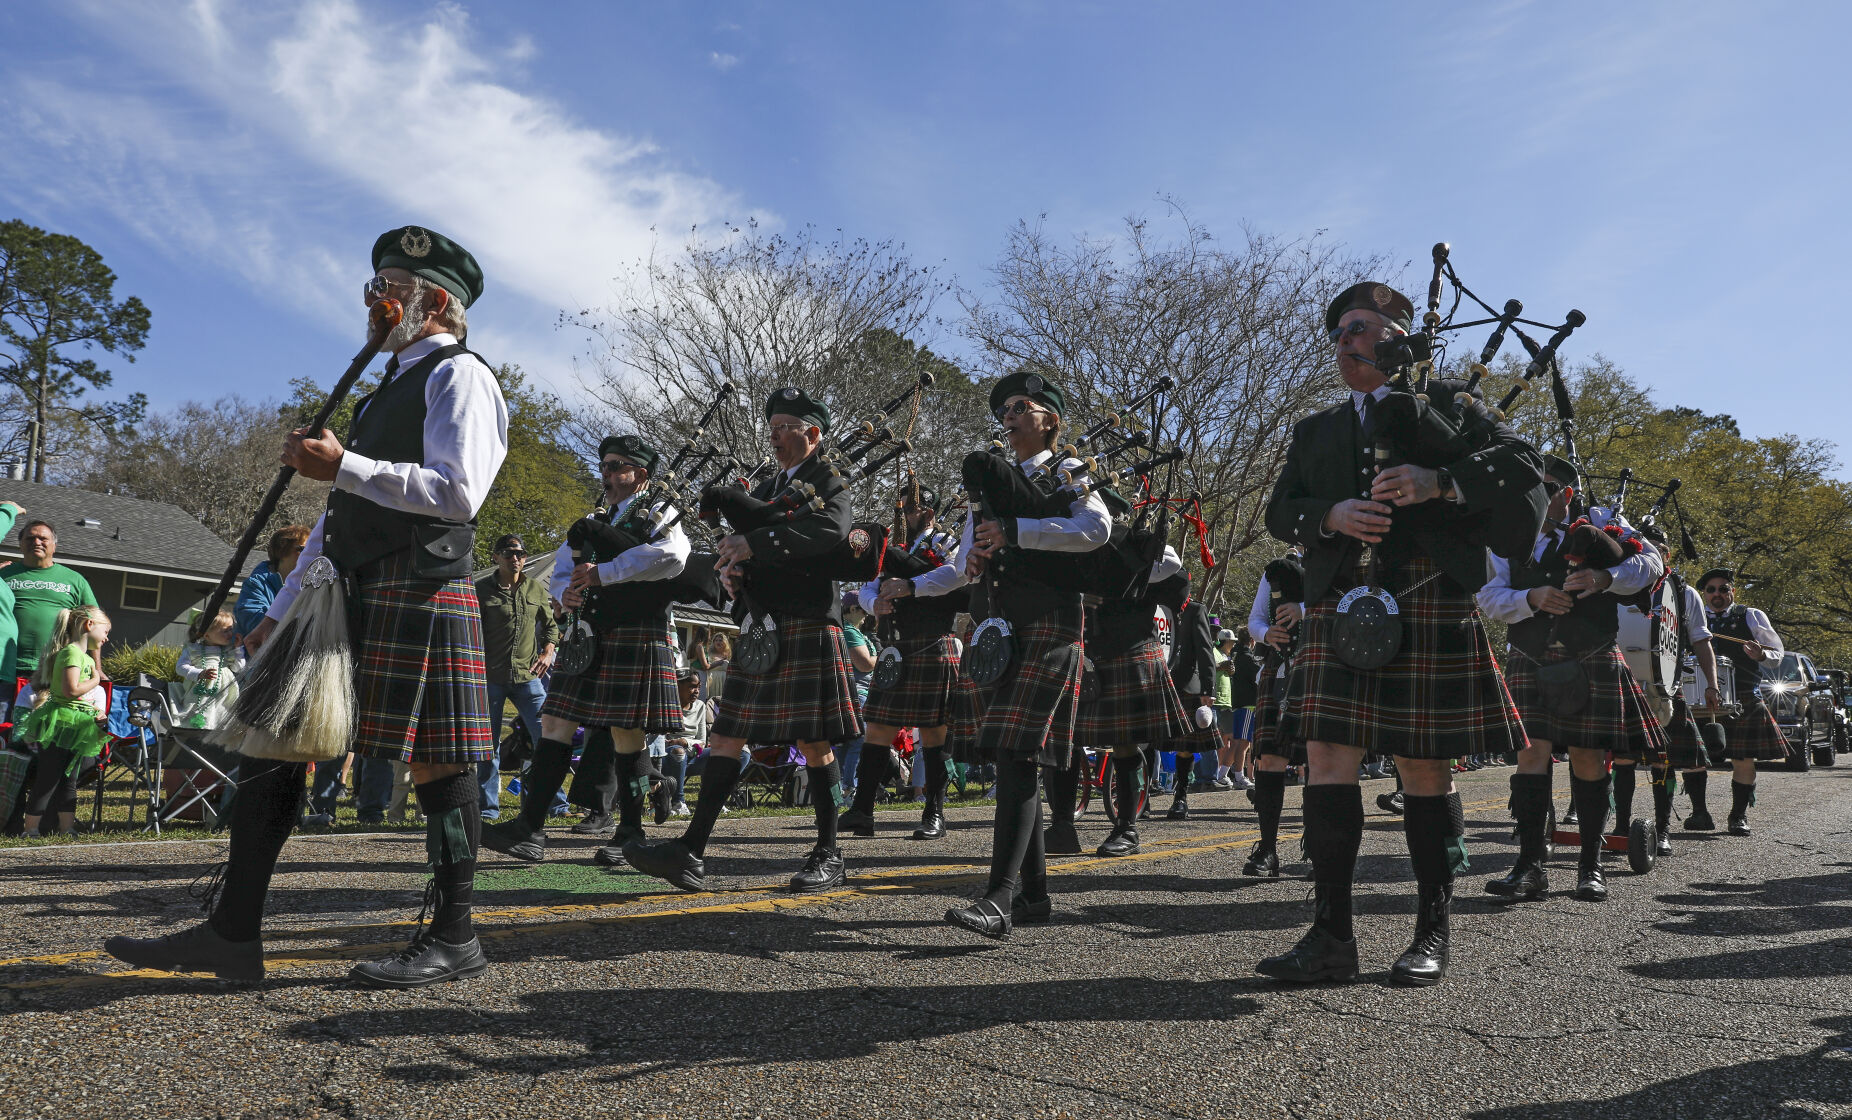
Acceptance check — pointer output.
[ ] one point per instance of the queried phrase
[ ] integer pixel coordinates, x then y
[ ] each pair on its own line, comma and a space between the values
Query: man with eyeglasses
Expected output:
1745, 636
790, 681
519, 638
1441, 696
419, 459
628, 693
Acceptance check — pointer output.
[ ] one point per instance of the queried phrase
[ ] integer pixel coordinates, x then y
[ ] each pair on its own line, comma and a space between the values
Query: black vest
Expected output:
1592, 623
1734, 623
1021, 598
389, 426
631, 603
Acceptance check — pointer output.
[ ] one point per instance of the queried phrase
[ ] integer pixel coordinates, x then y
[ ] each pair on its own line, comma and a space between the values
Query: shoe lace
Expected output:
214, 880
426, 909
818, 855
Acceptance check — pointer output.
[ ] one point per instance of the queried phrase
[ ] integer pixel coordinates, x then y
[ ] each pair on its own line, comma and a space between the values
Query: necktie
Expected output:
1369, 417
392, 367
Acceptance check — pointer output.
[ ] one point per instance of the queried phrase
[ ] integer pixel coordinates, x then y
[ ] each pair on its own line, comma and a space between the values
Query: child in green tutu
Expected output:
66, 719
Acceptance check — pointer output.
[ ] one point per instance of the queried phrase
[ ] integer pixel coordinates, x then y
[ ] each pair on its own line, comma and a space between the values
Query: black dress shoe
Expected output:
1026, 913
1525, 882
1179, 810
1739, 826
983, 917
594, 824
1571, 817
853, 823
1263, 863
1060, 839
932, 826
425, 961
670, 860
515, 840
1390, 802
823, 871
1317, 958
1590, 886
626, 833
1699, 821
1662, 843
1425, 962
199, 949
1121, 842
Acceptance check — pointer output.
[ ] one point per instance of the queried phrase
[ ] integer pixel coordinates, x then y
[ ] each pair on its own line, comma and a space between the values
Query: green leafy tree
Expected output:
57, 307
544, 485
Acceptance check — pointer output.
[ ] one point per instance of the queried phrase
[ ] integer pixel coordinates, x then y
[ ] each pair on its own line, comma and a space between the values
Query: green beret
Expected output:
430, 254
1724, 574
1371, 296
1031, 385
632, 448
792, 401
1560, 469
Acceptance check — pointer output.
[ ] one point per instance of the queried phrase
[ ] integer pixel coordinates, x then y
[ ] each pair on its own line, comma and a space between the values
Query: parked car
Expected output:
1800, 698
1840, 695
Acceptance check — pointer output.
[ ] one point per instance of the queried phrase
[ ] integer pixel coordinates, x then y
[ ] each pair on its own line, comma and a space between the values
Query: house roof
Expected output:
126, 534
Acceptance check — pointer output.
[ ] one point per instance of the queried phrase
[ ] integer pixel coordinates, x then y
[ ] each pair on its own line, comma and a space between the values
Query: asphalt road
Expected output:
1716, 985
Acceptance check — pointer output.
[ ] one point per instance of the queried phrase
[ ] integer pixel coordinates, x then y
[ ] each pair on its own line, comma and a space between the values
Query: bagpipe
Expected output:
849, 455
1285, 577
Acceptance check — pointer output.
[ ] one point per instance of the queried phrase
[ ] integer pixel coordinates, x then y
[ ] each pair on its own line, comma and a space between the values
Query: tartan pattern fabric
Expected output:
927, 690
420, 679
632, 684
1031, 711
1754, 734
1442, 696
1685, 747
1615, 719
1269, 698
807, 697
1196, 739
1137, 702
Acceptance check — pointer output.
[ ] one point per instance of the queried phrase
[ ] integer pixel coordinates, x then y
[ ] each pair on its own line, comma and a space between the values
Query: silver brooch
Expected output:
1033, 383
416, 242
789, 393
320, 573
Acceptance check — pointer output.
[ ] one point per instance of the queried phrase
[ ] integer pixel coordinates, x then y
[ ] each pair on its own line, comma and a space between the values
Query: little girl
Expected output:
209, 671
66, 721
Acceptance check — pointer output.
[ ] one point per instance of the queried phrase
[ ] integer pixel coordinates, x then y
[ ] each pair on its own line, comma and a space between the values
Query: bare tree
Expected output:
841, 318
1239, 330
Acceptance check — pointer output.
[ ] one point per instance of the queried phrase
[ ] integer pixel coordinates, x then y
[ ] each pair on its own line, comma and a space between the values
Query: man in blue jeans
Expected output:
519, 638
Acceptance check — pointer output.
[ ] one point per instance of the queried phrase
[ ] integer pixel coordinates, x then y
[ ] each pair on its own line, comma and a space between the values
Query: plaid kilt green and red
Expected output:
1195, 740
807, 697
927, 690
1442, 696
1685, 749
420, 681
1615, 719
632, 684
1269, 695
1031, 711
1753, 733
1137, 703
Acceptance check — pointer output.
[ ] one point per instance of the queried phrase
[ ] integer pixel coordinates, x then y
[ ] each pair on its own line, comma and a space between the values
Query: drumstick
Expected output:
1738, 641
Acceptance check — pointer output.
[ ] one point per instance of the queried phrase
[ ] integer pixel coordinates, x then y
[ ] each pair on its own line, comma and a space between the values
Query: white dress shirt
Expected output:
1087, 527
1260, 616
1499, 600
663, 559
465, 441
1761, 629
1696, 629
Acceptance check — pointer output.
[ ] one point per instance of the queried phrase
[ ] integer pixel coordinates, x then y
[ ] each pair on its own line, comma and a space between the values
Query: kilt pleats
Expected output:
1137, 703
420, 678
1615, 719
631, 685
927, 690
807, 697
1031, 711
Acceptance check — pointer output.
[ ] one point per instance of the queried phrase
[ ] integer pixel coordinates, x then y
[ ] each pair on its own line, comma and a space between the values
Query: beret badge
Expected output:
415, 242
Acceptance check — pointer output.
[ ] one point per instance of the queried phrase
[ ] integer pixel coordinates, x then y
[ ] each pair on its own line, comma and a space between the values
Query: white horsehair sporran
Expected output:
297, 702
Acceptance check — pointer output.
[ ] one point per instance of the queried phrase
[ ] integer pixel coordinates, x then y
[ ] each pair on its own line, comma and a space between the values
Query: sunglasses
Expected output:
516, 553
1017, 409
1717, 589
612, 466
1360, 327
379, 287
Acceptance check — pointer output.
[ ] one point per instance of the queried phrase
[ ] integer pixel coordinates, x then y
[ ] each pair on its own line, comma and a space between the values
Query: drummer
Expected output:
1753, 647
1685, 751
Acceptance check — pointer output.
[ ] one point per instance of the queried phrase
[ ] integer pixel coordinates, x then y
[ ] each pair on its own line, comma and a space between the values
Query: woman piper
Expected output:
1019, 511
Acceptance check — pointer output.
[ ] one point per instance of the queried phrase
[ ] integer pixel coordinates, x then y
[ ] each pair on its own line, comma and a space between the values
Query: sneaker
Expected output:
680, 809
1223, 784
1239, 781
318, 820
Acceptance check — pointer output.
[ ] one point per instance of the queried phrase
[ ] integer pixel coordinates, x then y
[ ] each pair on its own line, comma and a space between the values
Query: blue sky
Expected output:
1676, 170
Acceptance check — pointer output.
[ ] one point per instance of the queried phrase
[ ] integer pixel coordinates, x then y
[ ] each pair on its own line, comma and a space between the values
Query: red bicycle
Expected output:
1097, 776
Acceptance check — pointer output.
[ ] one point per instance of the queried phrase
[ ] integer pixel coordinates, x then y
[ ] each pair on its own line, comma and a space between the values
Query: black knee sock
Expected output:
546, 772
1623, 797
1129, 782
718, 778
632, 788
1014, 831
1662, 799
871, 771
1457, 857
1063, 789
262, 816
1696, 781
595, 785
1035, 861
1591, 806
1531, 795
825, 794
1742, 796
936, 775
452, 834
1333, 833
1186, 766
1269, 798
1427, 825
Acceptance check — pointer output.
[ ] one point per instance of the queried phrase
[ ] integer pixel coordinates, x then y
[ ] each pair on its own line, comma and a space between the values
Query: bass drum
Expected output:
1649, 641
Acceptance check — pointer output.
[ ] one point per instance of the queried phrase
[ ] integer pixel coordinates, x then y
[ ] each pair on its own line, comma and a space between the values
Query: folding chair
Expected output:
768, 777
198, 774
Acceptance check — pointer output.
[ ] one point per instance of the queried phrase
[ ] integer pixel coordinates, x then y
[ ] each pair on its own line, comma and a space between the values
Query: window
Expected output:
141, 593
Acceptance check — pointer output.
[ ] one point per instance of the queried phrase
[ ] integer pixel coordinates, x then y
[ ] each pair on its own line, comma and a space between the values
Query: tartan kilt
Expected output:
927, 690
1269, 696
808, 697
1137, 702
1754, 734
1615, 719
1685, 749
420, 674
632, 684
1197, 740
1031, 711
1442, 696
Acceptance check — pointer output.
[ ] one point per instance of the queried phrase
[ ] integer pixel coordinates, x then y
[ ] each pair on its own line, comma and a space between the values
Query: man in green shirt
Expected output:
519, 637
41, 588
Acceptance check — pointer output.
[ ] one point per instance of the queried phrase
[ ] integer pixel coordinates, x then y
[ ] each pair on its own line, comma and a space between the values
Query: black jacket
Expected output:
1192, 660
778, 578
1327, 462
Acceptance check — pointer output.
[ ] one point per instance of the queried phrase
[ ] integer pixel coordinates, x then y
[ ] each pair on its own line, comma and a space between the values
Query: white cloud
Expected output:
722, 62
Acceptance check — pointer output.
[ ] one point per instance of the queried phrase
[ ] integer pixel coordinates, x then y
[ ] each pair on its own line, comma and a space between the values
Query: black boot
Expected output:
1530, 801
1590, 800
632, 792
199, 948
1269, 798
823, 871
448, 948
1425, 961
525, 837
1333, 833
1262, 863
1180, 801
1428, 827
679, 861
1128, 788
1321, 956
1662, 811
1742, 796
1015, 854
1699, 819
932, 817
